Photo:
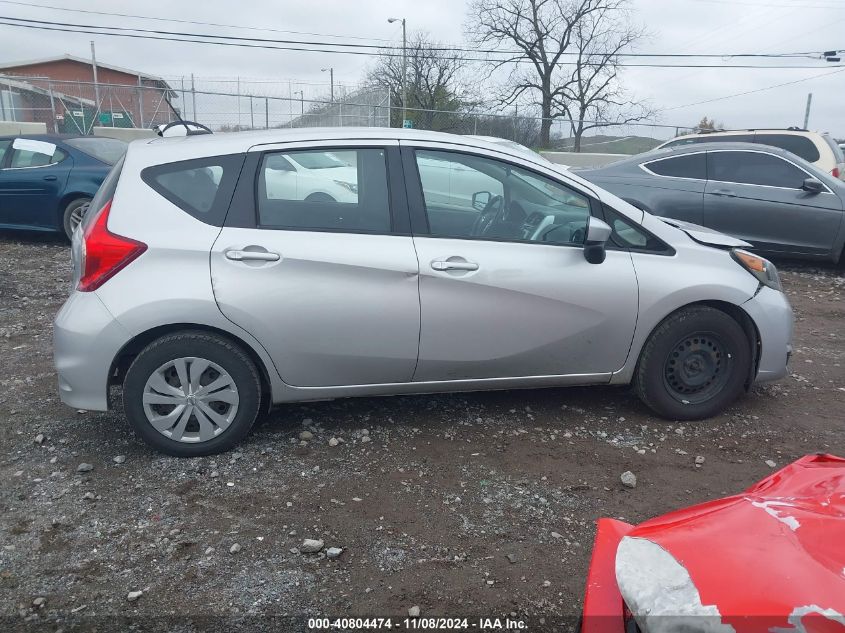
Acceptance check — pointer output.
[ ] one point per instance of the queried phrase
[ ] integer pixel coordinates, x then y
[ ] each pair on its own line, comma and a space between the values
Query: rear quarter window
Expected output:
798, 145
201, 187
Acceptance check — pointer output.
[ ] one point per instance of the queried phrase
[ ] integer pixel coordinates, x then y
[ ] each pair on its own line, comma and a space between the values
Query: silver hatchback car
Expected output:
217, 275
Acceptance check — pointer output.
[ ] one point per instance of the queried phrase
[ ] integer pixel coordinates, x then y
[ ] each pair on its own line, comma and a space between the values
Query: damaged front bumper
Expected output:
769, 559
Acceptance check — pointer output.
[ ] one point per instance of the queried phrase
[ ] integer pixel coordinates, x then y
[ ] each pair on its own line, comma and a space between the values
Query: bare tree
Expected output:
542, 37
593, 97
435, 87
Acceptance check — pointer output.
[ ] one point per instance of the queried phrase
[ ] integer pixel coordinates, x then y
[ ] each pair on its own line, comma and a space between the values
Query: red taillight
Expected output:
104, 253
835, 172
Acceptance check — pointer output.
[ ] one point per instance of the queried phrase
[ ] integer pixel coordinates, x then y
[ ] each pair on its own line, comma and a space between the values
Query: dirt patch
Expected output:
477, 504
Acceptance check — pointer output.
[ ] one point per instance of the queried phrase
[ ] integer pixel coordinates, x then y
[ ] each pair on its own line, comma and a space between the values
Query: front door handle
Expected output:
262, 256
50, 178
724, 192
449, 264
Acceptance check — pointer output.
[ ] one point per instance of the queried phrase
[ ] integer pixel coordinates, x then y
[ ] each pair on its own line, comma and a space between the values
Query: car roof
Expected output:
678, 150
236, 142
795, 130
42, 137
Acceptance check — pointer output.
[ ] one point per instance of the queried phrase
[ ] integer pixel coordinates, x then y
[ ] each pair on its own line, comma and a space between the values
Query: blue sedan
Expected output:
47, 181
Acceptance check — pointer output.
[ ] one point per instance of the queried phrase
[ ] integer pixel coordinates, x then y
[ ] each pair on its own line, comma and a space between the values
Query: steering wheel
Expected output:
492, 210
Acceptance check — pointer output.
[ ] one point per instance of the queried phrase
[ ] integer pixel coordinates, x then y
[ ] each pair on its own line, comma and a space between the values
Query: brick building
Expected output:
61, 92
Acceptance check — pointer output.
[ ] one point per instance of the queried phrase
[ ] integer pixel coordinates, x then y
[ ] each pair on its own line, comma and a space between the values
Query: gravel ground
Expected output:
479, 504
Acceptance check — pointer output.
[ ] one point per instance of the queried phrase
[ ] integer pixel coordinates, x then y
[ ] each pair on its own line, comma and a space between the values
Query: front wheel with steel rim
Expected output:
73, 213
192, 393
695, 363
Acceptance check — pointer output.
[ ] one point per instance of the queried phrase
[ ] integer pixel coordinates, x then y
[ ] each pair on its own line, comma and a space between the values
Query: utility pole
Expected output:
331, 79
96, 82
404, 69
193, 97
807, 111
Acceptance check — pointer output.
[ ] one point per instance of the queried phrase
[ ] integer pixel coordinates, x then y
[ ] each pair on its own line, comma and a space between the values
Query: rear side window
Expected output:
32, 153
4, 146
689, 166
324, 190
798, 145
754, 168
201, 187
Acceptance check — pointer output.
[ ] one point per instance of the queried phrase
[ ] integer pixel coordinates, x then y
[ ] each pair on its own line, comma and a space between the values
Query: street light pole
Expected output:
331, 79
404, 69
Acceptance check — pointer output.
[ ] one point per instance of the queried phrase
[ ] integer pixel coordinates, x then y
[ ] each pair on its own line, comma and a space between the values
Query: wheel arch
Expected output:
65, 200
732, 310
133, 347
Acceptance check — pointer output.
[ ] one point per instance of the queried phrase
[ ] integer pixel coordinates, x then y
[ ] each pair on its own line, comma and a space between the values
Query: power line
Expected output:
748, 92
382, 47
176, 20
308, 47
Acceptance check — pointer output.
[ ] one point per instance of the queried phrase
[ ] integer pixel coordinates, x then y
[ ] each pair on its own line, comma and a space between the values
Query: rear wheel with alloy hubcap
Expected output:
192, 393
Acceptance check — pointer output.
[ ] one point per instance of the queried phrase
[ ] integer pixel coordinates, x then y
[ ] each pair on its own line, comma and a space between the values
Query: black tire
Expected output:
694, 364
202, 345
73, 212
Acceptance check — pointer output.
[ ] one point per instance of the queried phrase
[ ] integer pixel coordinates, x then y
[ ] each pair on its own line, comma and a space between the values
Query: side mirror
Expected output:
811, 185
598, 232
480, 199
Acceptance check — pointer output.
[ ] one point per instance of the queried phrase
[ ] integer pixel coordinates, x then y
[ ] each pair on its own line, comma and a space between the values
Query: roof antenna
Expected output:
191, 127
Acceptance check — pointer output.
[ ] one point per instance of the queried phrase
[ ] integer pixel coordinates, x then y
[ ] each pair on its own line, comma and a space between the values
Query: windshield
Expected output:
107, 150
318, 160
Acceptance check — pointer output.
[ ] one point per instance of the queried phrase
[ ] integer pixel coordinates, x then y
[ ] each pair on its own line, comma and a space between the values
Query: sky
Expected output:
720, 27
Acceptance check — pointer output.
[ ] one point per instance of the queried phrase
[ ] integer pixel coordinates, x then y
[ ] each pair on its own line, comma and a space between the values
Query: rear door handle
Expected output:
50, 178
446, 264
724, 192
262, 256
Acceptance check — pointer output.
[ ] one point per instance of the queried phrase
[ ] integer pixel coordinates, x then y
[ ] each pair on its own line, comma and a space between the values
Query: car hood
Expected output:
769, 559
706, 236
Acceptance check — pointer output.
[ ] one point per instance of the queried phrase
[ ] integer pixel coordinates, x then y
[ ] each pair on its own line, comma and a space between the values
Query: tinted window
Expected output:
202, 187
4, 145
689, 166
754, 168
32, 153
343, 190
107, 150
472, 197
798, 145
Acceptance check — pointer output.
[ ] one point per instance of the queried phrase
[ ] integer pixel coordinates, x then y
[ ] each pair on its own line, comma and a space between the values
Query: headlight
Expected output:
660, 593
762, 269
349, 186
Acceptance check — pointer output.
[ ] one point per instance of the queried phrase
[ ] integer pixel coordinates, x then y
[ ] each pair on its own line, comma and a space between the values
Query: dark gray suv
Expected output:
767, 196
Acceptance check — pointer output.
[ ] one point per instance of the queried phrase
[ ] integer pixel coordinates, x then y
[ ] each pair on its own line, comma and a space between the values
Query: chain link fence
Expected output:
225, 105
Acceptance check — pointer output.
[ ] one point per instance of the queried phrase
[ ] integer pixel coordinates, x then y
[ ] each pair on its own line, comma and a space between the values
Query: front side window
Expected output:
689, 166
32, 153
754, 168
333, 190
469, 196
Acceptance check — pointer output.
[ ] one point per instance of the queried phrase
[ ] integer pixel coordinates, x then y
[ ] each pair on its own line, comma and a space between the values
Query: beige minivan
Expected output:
818, 148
